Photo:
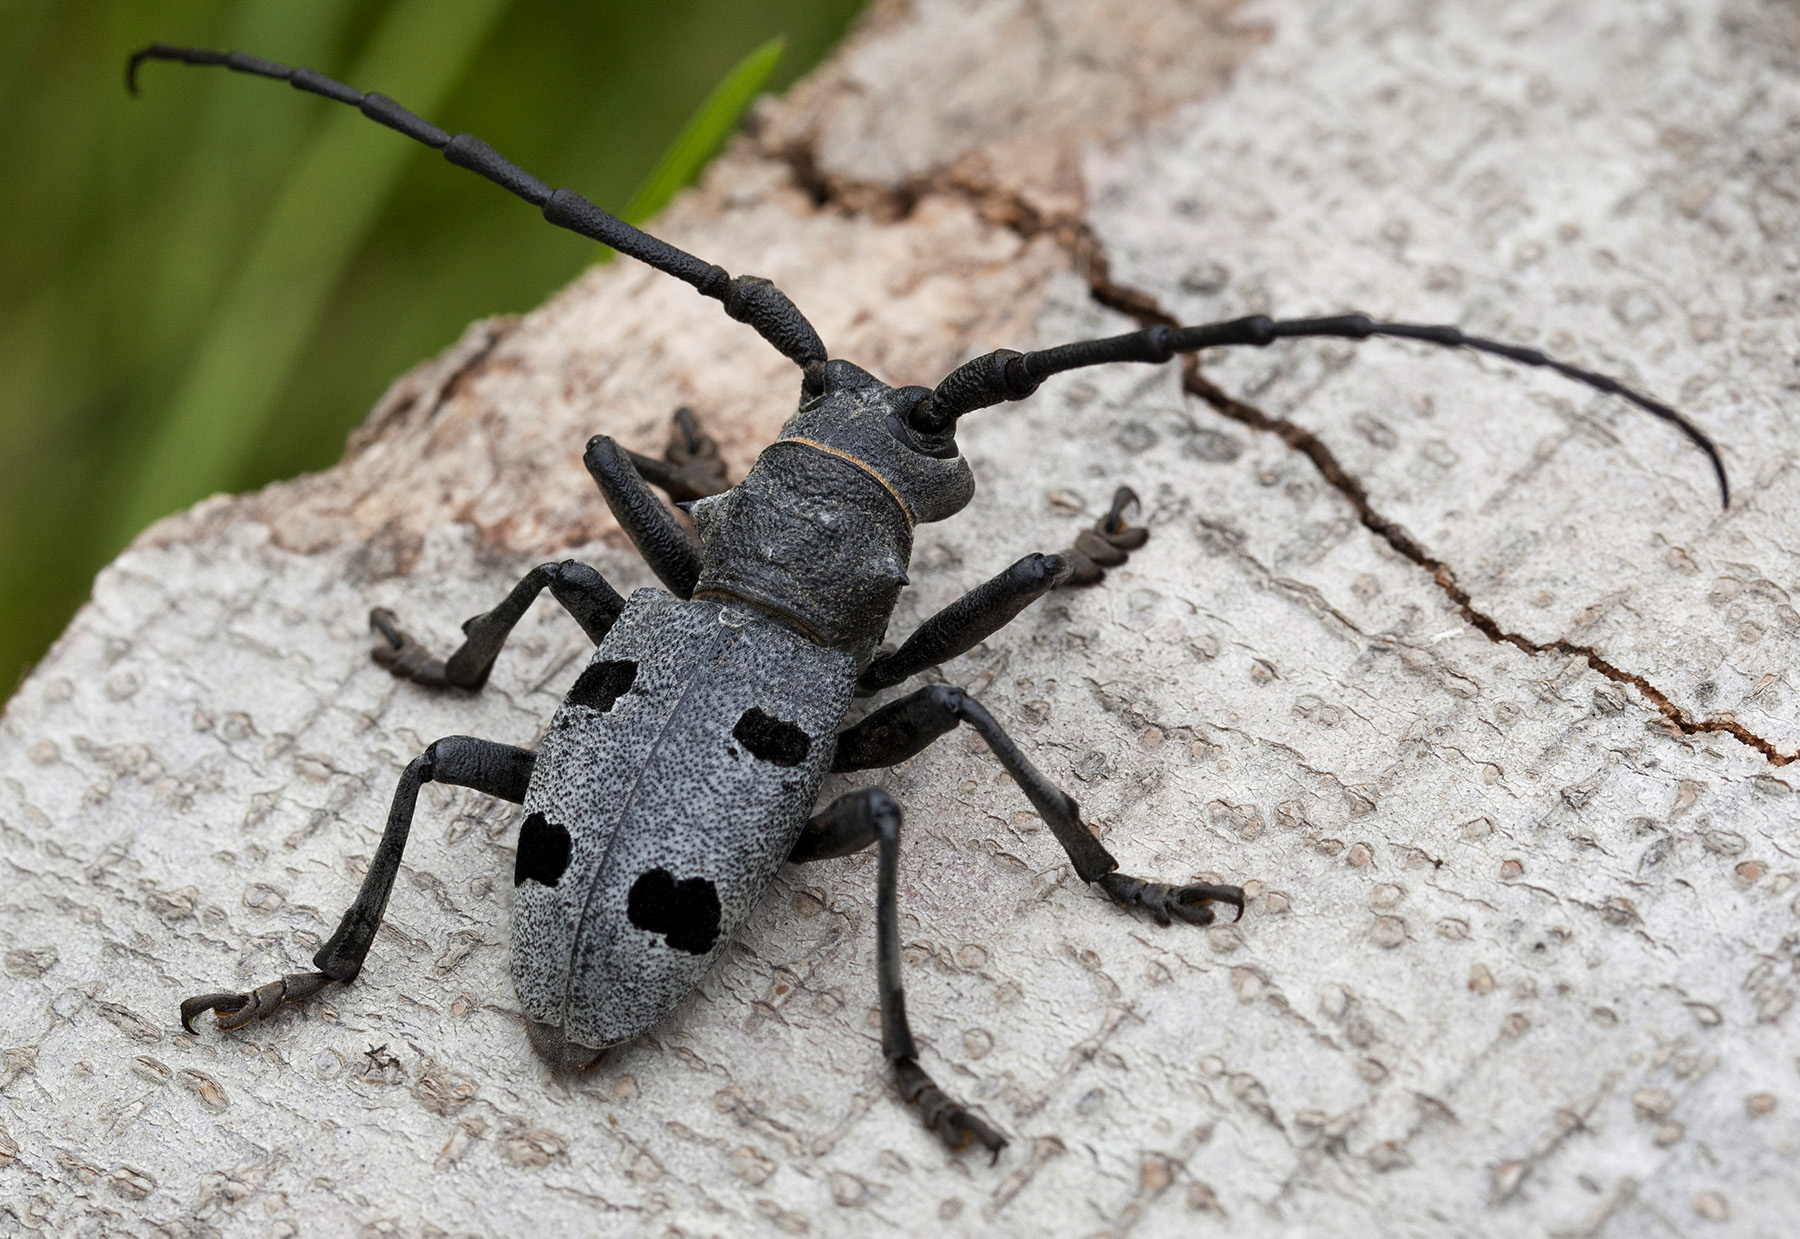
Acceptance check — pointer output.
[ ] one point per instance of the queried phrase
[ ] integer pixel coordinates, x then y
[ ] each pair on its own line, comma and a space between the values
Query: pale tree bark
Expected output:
1491, 714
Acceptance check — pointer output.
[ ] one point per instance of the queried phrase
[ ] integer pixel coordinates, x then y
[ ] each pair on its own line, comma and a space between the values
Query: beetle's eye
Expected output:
912, 398
943, 446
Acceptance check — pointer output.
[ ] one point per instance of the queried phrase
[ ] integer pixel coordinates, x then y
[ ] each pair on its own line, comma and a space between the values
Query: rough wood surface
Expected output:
1477, 692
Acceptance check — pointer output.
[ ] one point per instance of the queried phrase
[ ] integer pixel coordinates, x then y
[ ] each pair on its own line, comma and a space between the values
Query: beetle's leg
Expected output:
902, 728
485, 765
669, 549
691, 468
993, 604
1108, 544
584, 592
849, 824
968, 621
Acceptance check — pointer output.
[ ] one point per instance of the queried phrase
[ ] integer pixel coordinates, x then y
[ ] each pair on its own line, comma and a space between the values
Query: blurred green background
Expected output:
205, 288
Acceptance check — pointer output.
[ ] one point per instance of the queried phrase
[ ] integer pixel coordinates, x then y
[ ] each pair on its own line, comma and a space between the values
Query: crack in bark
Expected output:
1011, 210
1144, 308
998, 205
1309, 445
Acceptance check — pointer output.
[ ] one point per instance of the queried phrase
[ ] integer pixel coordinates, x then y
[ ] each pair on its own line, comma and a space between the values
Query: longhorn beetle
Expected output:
680, 772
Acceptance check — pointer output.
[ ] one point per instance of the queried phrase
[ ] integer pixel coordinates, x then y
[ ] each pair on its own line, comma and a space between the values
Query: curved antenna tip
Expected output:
1700, 440
131, 67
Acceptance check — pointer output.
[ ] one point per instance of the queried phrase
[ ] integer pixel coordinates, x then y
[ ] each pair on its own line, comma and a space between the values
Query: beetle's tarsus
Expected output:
1107, 544
1167, 904
401, 653
237, 1011
696, 454
951, 1121
691, 468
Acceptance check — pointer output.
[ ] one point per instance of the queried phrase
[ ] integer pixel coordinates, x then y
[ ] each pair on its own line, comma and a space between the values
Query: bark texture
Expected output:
1460, 670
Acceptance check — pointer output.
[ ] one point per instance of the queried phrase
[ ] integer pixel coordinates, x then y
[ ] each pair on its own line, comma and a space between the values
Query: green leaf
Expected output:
705, 132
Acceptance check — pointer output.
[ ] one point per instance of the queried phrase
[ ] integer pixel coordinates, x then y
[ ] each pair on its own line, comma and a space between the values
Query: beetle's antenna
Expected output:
747, 298
1003, 375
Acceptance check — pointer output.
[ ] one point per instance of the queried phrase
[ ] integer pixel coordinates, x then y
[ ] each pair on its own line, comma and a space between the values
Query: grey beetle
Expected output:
682, 769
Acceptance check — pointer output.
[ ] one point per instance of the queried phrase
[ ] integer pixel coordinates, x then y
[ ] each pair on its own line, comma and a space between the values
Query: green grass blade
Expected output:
274, 306
713, 122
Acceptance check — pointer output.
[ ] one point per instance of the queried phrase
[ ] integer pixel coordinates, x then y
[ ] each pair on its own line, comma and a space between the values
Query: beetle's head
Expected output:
858, 417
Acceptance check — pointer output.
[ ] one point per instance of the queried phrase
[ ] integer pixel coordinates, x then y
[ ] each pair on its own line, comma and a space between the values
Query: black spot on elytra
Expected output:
772, 739
686, 913
543, 851
602, 684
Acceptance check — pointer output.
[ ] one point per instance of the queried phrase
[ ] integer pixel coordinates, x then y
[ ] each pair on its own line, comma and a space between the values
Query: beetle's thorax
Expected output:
820, 532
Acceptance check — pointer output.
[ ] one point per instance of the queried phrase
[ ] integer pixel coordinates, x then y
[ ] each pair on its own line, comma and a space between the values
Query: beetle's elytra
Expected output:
681, 770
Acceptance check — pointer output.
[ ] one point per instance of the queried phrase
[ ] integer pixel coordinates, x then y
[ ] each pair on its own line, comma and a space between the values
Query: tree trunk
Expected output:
1478, 693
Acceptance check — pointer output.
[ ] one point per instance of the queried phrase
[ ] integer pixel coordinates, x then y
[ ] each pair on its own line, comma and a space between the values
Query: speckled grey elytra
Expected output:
658, 782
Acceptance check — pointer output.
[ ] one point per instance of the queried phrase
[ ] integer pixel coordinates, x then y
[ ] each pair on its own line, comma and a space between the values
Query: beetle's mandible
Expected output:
681, 771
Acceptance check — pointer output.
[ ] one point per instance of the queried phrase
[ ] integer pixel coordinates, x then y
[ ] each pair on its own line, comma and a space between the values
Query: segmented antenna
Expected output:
747, 298
1004, 375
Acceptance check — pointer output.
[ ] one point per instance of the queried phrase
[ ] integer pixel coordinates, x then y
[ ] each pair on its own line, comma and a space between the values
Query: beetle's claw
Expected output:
1165, 903
1107, 544
235, 1011
224, 1004
952, 1122
1201, 895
